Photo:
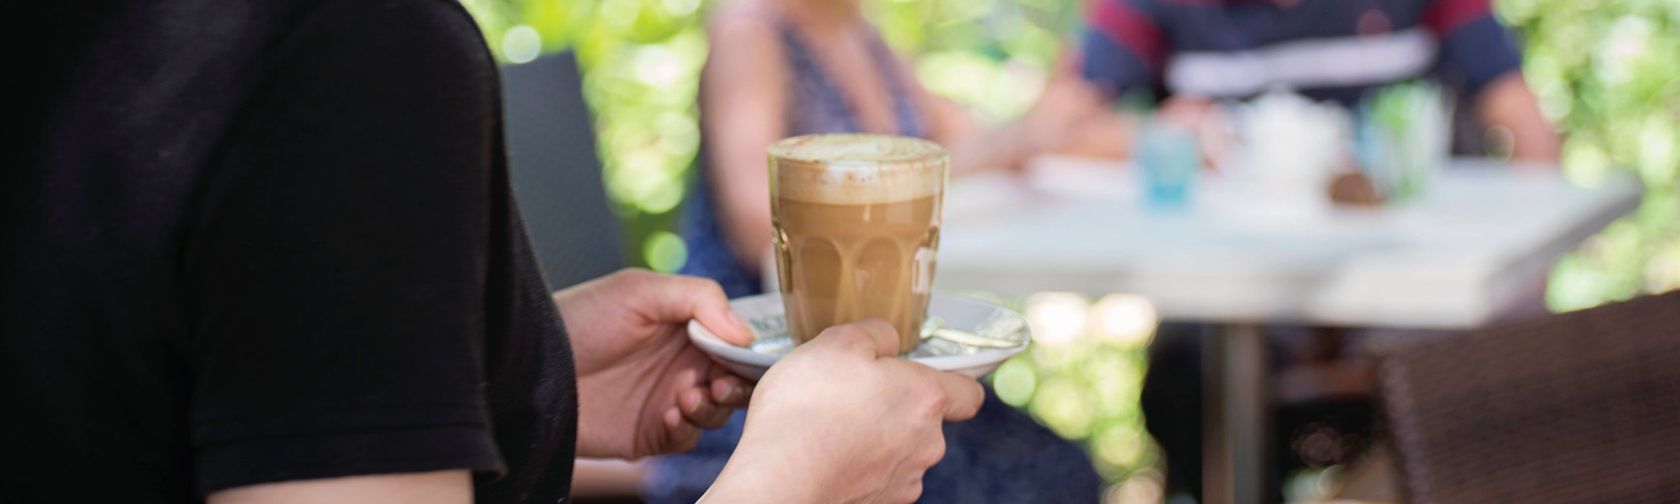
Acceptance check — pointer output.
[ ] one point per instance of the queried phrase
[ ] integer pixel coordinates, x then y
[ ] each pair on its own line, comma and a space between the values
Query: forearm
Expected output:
601, 478
439, 487
1105, 136
733, 486
748, 229
750, 478
743, 87
1007, 146
1069, 119
1508, 105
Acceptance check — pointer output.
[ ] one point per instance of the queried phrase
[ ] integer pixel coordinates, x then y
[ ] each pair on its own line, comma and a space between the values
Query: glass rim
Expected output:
837, 150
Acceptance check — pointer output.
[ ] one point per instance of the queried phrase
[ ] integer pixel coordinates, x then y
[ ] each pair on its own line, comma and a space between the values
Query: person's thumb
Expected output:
873, 337
678, 299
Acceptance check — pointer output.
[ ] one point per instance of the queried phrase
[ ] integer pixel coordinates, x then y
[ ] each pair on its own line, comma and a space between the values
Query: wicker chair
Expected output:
1579, 407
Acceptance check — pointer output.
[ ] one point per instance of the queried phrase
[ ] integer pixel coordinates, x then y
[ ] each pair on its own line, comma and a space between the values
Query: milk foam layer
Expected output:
855, 169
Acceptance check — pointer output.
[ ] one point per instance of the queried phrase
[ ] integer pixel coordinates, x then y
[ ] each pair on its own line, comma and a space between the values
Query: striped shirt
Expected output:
1326, 49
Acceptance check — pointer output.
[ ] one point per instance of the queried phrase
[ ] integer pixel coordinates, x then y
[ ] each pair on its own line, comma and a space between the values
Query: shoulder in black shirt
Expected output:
262, 241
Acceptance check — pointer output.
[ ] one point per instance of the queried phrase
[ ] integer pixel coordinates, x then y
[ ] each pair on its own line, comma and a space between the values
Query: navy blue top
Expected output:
1325, 49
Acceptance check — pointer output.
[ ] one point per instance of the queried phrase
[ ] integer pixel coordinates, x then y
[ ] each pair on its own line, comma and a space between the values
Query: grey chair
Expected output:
556, 174
1574, 408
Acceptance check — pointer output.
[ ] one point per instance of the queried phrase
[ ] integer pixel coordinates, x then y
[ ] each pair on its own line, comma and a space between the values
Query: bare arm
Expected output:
440, 487
1068, 117
1508, 104
607, 478
1104, 136
744, 97
973, 146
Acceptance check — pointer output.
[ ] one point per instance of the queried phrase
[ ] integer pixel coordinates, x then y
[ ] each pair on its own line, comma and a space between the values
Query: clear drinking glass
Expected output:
856, 230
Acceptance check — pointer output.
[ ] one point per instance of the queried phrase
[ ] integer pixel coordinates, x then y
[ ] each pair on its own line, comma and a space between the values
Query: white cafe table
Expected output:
1478, 241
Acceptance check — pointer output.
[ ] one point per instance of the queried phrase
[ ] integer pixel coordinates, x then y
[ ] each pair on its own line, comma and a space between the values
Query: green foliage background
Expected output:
642, 58
1607, 72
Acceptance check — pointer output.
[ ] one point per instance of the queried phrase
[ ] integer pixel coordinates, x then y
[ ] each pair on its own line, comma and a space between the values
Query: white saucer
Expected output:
962, 335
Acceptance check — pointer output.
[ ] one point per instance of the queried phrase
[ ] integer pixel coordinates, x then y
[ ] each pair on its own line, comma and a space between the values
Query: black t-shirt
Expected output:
252, 241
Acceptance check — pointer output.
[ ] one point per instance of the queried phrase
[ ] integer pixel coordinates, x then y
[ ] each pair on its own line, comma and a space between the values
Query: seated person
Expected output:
1195, 54
781, 68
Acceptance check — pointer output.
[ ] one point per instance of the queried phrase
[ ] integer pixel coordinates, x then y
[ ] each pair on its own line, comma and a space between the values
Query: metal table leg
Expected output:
1234, 398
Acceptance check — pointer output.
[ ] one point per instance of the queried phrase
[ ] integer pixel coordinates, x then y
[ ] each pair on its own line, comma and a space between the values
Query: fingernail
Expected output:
740, 323
691, 401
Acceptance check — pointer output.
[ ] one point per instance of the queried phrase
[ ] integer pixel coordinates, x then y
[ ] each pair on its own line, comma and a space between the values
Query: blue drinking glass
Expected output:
1166, 158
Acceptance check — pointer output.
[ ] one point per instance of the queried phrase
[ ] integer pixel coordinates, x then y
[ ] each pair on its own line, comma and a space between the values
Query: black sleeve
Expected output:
353, 259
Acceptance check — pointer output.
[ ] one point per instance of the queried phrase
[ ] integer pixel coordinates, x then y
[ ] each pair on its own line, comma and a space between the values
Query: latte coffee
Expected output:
856, 230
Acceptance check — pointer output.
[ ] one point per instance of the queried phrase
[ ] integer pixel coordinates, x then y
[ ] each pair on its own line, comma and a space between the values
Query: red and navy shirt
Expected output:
1326, 49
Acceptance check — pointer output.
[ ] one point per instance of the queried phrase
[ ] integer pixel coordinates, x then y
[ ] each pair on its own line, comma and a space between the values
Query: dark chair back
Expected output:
556, 174
1580, 407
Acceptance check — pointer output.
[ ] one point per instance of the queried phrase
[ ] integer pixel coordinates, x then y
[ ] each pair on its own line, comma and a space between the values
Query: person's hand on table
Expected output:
1067, 102
842, 419
643, 389
1203, 118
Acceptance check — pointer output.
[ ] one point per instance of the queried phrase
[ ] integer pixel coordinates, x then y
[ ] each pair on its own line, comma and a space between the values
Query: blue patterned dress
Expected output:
1000, 456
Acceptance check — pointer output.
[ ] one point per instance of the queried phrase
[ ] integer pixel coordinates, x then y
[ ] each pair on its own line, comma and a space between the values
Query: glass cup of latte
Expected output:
856, 230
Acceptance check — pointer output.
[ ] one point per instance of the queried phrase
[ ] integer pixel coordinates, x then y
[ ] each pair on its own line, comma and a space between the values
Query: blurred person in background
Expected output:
267, 252
781, 68
1197, 54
